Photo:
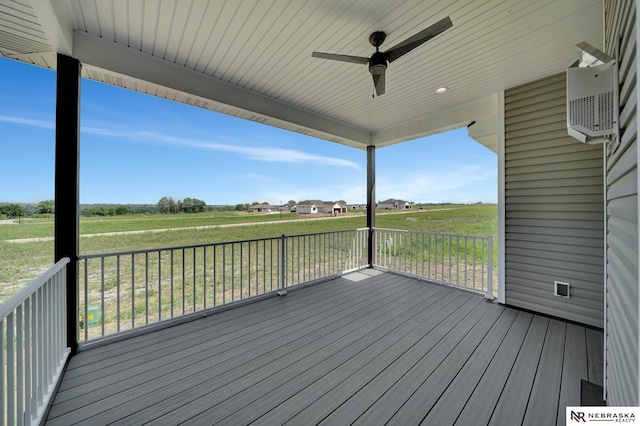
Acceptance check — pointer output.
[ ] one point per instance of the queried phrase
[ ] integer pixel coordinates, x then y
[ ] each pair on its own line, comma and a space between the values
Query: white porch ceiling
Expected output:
252, 59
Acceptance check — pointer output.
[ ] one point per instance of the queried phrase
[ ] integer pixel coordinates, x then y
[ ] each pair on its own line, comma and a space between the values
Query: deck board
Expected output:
545, 394
515, 395
486, 393
415, 409
314, 403
574, 366
191, 402
384, 348
452, 401
595, 349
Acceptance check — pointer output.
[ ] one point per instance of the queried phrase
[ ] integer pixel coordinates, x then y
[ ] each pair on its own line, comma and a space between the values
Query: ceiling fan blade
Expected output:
343, 58
379, 83
416, 40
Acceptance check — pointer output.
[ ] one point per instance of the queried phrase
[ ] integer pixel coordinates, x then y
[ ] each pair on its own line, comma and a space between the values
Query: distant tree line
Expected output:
12, 210
167, 205
104, 211
22, 210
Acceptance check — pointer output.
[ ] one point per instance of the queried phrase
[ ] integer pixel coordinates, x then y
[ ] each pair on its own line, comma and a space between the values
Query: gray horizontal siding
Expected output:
622, 369
554, 220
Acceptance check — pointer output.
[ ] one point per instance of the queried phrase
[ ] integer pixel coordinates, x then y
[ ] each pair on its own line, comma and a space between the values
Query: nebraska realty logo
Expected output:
602, 414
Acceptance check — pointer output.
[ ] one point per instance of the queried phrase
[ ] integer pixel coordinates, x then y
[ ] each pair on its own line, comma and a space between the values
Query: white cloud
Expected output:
453, 183
28, 122
258, 153
262, 153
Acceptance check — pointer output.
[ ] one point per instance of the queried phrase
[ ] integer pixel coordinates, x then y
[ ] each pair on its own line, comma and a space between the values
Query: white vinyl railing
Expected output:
459, 260
33, 331
128, 290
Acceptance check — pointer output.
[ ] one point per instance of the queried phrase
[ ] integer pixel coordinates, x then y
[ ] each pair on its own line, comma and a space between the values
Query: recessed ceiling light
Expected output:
442, 89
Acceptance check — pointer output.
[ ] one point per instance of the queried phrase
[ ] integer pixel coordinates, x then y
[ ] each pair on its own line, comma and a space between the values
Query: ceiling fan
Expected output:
378, 61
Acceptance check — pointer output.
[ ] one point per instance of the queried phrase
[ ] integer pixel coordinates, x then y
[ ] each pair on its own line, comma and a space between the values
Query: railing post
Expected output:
490, 268
282, 265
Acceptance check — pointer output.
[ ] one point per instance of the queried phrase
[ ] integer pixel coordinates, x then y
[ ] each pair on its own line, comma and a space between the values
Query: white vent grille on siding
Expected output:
584, 113
605, 108
581, 113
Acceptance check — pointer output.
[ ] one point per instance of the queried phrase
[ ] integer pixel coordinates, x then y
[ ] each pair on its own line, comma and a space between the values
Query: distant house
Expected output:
262, 208
393, 204
319, 206
306, 208
356, 206
332, 208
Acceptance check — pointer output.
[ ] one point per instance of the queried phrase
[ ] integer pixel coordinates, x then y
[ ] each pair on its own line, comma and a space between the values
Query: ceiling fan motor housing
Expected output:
378, 63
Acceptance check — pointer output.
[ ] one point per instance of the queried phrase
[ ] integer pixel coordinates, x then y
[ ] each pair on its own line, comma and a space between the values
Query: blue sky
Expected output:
137, 148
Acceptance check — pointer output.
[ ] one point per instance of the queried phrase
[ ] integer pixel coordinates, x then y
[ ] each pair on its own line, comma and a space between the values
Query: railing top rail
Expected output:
341, 231
430, 233
157, 249
221, 243
17, 299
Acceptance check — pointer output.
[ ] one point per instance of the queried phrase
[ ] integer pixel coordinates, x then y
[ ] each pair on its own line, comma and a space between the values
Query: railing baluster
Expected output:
41, 349
46, 336
298, 256
270, 265
490, 267
458, 259
281, 262
3, 376
474, 262
20, 364
159, 285
184, 283
118, 293
215, 278
450, 259
86, 300
29, 407
102, 295
233, 271
10, 344
146, 288
264, 266
204, 277
172, 284
133, 291
466, 260
194, 279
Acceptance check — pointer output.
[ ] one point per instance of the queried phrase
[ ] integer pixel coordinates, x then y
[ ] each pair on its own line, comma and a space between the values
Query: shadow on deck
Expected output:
367, 348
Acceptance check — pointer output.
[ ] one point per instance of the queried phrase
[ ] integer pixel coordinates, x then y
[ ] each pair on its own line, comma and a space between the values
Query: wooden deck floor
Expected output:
381, 350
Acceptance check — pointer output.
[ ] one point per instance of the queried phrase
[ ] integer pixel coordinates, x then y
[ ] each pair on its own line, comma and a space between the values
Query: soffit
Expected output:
252, 59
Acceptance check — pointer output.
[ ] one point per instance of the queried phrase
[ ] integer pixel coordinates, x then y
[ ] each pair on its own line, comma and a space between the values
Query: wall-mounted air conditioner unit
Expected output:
592, 96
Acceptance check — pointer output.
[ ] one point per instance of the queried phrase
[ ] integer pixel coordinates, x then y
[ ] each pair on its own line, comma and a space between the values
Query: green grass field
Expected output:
21, 262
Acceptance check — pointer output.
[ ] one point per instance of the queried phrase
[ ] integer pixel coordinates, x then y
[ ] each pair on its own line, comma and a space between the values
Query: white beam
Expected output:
502, 220
439, 122
484, 131
113, 57
54, 19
